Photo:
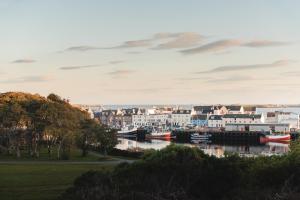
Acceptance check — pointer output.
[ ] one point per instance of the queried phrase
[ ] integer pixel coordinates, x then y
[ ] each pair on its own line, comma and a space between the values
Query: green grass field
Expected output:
75, 155
39, 181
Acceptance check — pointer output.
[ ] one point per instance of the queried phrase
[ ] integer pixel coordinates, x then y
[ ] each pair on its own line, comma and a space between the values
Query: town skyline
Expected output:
142, 52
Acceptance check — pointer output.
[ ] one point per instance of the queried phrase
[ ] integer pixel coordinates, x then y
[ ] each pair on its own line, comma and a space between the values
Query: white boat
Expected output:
128, 131
159, 133
199, 136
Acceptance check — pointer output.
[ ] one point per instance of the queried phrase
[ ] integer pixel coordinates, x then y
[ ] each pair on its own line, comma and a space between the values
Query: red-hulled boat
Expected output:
275, 138
166, 135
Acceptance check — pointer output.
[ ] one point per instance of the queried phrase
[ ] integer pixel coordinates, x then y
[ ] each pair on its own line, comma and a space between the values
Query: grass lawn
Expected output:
40, 181
75, 155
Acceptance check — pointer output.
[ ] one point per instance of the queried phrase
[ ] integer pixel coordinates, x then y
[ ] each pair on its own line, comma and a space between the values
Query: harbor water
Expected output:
208, 147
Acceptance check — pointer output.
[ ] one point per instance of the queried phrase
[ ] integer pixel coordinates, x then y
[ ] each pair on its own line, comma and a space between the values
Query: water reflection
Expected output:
218, 150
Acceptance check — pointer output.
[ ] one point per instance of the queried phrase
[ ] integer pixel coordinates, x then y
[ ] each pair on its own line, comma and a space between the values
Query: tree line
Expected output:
29, 122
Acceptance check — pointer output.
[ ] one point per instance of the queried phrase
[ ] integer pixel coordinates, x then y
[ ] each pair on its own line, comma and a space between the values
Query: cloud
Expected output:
230, 43
121, 73
81, 48
24, 61
231, 79
132, 44
166, 35
182, 40
179, 40
28, 79
114, 62
213, 46
278, 63
264, 43
78, 67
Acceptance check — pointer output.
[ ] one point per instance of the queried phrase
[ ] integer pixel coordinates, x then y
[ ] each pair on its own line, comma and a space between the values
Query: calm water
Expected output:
209, 148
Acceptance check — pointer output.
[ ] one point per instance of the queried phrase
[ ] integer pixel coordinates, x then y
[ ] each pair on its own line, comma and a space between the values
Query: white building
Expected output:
283, 118
181, 117
282, 128
151, 120
233, 109
215, 121
242, 119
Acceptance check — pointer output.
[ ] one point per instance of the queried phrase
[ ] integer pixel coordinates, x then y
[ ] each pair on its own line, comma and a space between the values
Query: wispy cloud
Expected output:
225, 44
120, 73
24, 61
132, 44
232, 79
178, 40
182, 40
278, 63
213, 46
264, 43
82, 48
77, 67
28, 79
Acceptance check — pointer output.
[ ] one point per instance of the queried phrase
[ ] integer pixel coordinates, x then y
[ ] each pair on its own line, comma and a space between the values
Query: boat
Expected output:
159, 133
199, 138
275, 138
128, 131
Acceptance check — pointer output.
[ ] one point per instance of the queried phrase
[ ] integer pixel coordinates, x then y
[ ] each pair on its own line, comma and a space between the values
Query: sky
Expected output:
152, 52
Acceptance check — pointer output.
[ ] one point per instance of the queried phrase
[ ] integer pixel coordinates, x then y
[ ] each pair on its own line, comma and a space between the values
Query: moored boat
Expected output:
275, 138
160, 135
127, 131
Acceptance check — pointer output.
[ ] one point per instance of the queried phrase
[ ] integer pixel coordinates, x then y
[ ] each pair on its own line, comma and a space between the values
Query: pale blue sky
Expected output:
201, 51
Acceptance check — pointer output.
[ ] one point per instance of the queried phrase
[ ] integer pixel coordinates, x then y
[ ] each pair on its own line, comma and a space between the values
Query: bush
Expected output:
178, 172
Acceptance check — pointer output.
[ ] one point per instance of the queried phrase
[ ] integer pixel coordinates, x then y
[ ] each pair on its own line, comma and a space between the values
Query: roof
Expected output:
250, 108
199, 117
262, 124
181, 112
201, 108
234, 107
256, 116
270, 114
215, 117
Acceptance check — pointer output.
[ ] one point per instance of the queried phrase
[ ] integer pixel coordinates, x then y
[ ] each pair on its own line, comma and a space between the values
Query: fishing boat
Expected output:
275, 138
128, 131
159, 133
199, 138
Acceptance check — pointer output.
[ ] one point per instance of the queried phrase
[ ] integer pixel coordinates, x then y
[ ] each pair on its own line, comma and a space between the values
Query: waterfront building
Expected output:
249, 109
107, 117
209, 110
199, 120
201, 110
280, 117
215, 121
266, 127
181, 117
242, 119
151, 120
235, 109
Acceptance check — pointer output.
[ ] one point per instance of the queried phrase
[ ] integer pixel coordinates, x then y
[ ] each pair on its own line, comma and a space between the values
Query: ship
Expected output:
159, 133
198, 138
128, 131
275, 138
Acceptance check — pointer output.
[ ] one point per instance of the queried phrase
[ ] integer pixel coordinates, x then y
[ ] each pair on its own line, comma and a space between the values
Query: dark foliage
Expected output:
28, 121
178, 172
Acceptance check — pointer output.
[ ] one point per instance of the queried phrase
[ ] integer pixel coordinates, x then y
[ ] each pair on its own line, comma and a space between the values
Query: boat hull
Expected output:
275, 138
166, 135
